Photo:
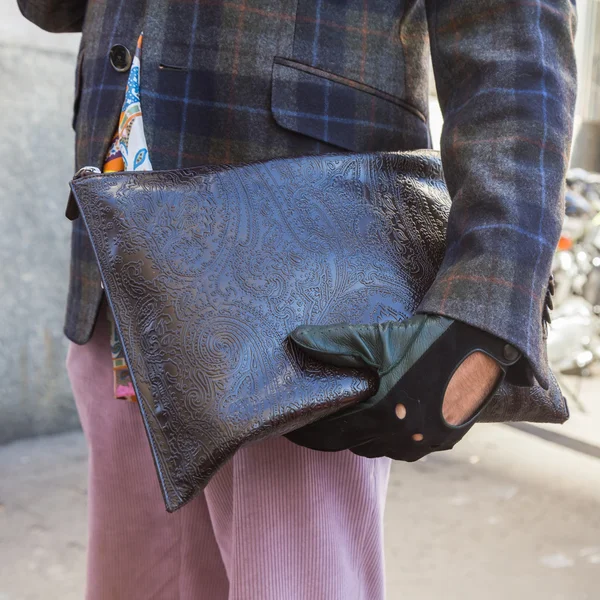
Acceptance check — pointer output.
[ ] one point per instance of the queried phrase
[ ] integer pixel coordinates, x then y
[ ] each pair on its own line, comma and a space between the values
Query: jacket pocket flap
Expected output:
343, 112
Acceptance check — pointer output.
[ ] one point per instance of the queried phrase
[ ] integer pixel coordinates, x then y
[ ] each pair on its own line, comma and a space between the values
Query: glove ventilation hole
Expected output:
400, 411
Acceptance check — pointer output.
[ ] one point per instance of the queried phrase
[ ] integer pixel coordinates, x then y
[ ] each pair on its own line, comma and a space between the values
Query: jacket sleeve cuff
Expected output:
477, 285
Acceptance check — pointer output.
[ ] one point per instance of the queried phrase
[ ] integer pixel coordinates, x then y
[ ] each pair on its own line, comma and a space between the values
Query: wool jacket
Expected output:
227, 81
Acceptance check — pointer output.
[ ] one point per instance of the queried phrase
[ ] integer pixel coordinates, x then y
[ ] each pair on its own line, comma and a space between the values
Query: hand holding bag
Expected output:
208, 270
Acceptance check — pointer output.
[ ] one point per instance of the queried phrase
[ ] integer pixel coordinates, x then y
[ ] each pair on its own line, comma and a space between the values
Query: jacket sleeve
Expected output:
56, 16
506, 82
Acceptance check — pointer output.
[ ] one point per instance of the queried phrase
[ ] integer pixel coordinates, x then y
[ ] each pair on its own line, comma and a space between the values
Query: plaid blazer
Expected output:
225, 81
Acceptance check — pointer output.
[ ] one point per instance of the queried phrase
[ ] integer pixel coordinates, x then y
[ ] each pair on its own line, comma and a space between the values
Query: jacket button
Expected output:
120, 58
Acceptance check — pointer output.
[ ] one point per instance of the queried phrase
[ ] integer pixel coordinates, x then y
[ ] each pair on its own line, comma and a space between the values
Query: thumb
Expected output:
381, 346
341, 345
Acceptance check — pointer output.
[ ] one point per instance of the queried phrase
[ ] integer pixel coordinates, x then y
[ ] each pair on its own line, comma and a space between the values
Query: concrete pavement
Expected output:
505, 515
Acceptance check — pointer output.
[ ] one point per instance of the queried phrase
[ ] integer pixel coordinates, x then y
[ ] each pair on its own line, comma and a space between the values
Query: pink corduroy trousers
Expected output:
278, 522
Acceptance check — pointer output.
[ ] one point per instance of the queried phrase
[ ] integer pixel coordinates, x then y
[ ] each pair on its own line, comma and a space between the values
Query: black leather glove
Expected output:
414, 359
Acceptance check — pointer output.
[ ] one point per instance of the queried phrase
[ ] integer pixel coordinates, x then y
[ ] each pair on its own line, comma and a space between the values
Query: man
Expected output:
241, 80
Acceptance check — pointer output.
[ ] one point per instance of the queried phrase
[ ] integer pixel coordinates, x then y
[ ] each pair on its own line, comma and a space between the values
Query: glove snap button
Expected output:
510, 352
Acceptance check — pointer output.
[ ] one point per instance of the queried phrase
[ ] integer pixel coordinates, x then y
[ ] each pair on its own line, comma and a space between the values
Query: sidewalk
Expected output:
505, 515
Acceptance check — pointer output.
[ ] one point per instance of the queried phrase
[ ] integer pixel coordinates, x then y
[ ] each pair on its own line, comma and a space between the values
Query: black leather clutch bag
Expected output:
208, 270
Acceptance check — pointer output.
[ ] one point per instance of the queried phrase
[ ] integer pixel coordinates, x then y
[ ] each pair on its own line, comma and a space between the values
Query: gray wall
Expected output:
36, 163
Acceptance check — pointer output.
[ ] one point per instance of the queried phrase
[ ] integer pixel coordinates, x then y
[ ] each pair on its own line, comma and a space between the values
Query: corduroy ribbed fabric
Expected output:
278, 522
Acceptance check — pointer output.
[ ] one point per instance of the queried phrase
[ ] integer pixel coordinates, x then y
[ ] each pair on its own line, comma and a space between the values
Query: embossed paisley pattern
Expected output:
207, 271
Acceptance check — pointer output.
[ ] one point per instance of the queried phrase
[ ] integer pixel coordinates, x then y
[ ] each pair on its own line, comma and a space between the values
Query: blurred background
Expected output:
513, 511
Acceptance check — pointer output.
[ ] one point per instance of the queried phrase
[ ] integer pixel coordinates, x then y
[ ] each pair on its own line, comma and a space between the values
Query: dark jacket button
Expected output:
120, 58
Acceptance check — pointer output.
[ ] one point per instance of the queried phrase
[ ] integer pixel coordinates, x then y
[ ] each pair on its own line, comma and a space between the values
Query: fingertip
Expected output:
297, 333
302, 337
300, 333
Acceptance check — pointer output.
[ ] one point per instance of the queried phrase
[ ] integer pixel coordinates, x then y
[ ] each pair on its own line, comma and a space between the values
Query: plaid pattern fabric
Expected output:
55, 16
226, 81
365, 118
505, 74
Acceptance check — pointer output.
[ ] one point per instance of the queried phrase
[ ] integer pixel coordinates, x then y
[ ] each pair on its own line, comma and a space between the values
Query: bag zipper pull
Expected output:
72, 211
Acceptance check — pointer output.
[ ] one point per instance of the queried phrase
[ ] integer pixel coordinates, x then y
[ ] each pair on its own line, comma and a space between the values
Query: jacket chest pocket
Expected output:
343, 112
344, 81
